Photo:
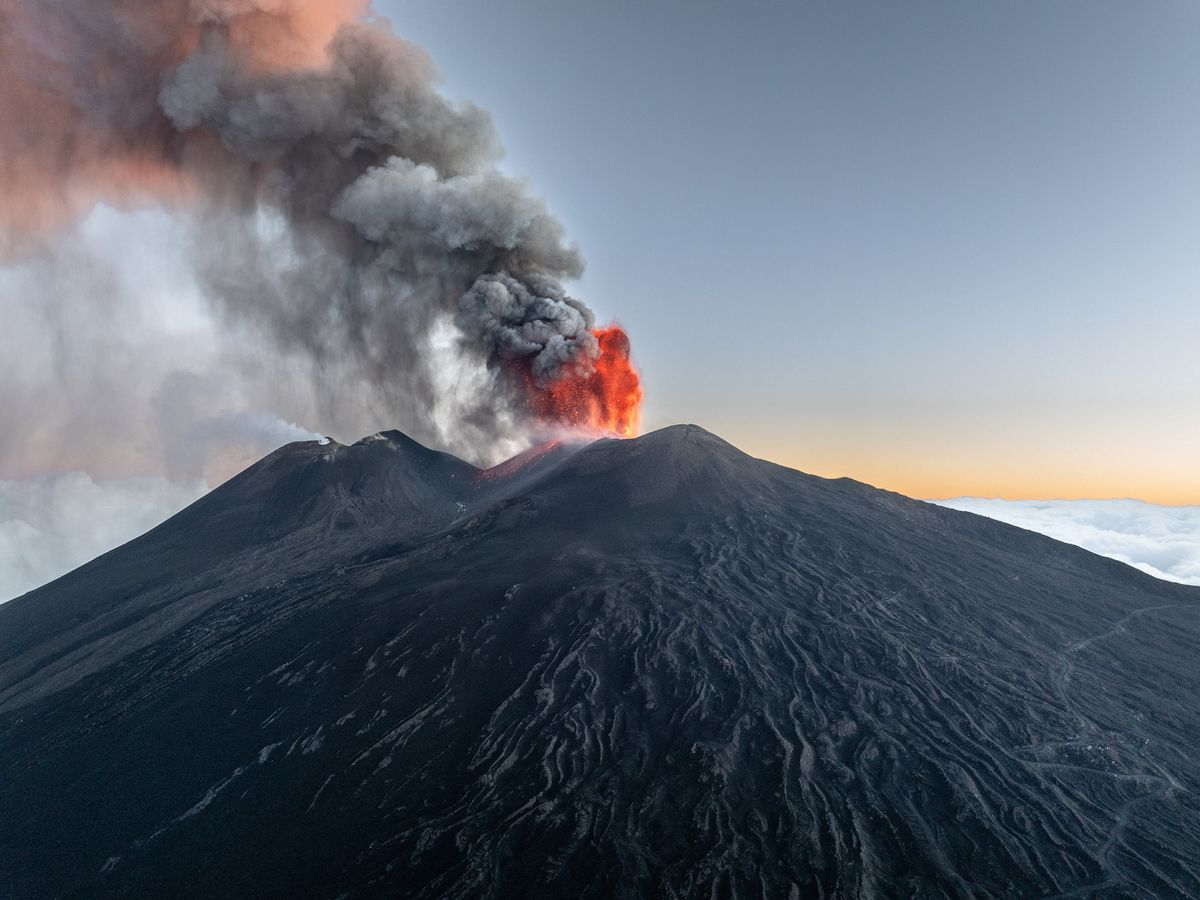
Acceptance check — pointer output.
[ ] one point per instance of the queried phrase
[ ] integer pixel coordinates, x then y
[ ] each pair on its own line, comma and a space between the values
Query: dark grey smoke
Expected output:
344, 210
537, 321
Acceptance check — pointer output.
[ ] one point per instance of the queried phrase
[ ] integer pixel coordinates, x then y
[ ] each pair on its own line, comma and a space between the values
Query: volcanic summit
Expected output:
653, 667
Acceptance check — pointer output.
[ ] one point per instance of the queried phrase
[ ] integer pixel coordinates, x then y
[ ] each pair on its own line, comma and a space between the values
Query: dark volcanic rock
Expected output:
652, 668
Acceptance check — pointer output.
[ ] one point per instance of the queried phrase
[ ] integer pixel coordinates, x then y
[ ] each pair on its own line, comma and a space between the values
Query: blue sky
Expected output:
944, 247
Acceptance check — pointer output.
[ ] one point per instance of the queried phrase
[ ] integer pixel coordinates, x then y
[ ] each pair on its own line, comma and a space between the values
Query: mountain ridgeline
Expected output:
644, 668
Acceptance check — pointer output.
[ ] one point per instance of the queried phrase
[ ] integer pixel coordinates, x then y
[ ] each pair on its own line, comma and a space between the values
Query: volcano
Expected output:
653, 667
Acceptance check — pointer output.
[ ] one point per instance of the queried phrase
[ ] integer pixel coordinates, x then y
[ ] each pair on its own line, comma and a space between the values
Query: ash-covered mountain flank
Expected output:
643, 668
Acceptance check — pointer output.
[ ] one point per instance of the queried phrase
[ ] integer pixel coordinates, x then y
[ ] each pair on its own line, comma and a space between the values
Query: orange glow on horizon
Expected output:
1019, 479
996, 459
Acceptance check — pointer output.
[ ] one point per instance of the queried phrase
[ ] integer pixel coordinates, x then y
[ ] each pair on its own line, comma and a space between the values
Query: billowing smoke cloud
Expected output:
1163, 541
343, 212
496, 311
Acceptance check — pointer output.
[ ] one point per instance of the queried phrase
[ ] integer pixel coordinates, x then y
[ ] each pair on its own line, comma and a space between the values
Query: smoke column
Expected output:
344, 211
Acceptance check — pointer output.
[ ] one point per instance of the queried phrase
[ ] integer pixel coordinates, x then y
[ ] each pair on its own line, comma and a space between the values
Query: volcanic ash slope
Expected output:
644, 668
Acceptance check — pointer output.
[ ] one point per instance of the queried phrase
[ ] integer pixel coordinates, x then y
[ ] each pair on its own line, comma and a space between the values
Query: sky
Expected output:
944, 248
947, 249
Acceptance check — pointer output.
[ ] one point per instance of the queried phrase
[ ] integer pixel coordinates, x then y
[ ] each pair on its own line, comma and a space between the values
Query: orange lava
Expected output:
608, 399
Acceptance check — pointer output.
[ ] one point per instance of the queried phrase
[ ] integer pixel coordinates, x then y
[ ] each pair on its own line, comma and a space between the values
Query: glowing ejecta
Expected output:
606, 397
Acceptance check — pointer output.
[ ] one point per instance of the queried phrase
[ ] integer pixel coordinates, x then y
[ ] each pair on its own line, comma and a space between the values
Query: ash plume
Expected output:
343, 210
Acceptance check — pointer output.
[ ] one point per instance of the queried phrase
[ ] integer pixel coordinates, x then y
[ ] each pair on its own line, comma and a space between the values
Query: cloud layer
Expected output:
51, 525
1163, 541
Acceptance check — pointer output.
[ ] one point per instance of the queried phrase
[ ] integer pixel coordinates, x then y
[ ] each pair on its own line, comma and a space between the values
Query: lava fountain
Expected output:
607, 398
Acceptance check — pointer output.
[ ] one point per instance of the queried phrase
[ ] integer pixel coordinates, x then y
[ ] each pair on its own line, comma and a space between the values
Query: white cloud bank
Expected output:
1163, 541
51, 524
